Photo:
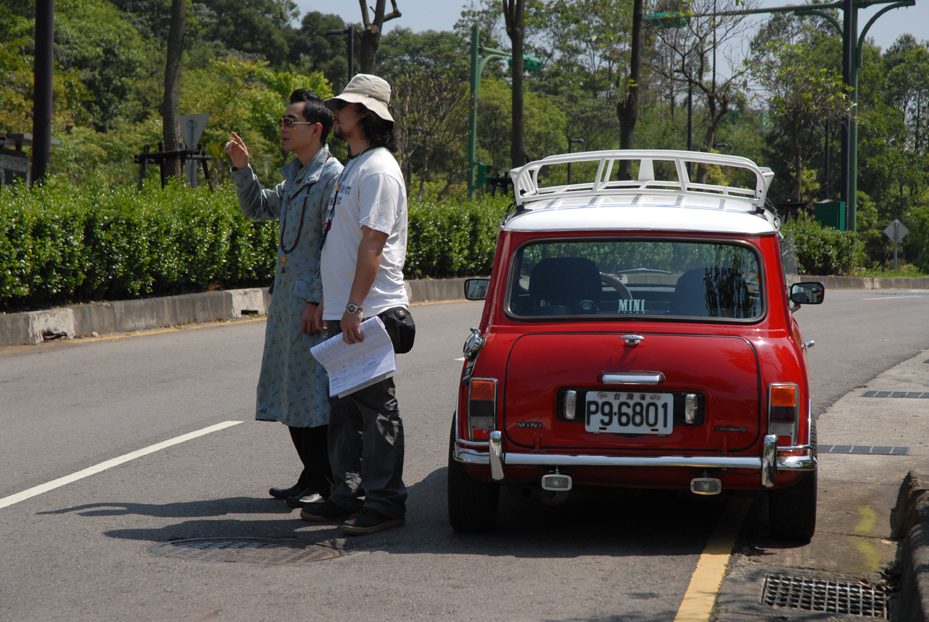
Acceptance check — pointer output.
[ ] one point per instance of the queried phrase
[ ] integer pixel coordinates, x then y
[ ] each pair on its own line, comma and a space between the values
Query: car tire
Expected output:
472, 504
792, 511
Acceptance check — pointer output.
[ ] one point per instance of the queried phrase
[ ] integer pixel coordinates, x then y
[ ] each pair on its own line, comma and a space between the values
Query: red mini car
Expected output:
637, 334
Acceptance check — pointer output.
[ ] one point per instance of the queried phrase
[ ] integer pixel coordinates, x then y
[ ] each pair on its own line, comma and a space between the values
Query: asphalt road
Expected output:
83, 551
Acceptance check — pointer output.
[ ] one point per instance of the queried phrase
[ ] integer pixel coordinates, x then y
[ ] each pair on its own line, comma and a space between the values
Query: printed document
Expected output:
356, 366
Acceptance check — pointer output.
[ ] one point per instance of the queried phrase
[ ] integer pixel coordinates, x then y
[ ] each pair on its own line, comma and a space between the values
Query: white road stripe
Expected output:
103, 466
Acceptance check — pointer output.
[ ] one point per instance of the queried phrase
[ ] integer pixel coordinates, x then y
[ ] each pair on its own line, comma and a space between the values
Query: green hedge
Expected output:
822, 250
60, 244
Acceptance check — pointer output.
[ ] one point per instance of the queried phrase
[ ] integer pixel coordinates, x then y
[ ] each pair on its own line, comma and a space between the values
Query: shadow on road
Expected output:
621, 523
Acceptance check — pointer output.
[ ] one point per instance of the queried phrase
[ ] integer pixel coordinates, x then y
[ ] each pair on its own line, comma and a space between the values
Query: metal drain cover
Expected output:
810, 594
267, 551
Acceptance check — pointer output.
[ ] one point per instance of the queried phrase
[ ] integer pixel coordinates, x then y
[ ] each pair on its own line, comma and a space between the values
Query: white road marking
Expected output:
103, 466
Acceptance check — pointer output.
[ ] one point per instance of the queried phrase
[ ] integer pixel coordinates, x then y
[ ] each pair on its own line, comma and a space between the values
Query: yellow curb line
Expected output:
698, 602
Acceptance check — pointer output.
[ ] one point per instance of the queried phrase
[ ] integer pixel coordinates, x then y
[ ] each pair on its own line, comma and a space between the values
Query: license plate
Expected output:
626, 412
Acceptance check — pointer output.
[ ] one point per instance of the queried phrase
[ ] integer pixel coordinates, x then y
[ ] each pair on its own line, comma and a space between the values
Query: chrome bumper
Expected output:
491, 453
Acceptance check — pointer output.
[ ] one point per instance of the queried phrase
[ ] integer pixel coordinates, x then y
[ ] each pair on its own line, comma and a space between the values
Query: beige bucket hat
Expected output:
370, 91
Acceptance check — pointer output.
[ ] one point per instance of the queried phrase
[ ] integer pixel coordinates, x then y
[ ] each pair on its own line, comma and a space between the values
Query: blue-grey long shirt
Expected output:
292, 387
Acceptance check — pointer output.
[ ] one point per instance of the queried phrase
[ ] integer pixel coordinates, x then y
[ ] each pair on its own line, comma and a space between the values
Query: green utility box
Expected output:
830, 214
483, 172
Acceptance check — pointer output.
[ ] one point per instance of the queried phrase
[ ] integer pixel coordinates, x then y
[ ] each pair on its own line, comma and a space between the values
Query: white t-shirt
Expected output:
370, 193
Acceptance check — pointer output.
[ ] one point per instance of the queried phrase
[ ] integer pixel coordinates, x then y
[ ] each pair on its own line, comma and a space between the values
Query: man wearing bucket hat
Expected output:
362, 272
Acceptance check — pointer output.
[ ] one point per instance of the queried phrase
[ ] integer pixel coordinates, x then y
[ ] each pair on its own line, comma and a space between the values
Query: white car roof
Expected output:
646, 203
642, 212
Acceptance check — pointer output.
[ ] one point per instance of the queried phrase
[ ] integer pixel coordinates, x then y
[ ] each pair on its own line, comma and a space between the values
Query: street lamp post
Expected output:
42, 97
349, 33
530, 63
573, 141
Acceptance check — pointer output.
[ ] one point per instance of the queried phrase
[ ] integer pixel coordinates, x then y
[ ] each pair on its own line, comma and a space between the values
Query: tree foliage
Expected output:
238, 62
804, 89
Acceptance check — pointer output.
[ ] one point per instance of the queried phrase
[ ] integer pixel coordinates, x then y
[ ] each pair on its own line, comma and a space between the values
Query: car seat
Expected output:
713, 292
691, 294
557, 285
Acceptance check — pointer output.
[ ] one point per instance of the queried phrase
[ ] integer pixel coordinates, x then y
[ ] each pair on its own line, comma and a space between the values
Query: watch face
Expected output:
352, 308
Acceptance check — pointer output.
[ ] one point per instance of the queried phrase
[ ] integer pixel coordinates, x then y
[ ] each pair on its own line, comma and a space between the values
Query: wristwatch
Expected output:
352, 309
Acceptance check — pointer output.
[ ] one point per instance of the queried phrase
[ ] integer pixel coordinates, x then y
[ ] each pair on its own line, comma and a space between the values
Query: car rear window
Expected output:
624, 277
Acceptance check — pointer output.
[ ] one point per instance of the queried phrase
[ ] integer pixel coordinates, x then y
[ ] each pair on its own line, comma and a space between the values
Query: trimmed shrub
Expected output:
824, 250
61, 244
450, 239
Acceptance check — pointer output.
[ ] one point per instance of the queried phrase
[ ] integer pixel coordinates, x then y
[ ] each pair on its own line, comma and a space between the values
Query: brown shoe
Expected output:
370, 521
324, 512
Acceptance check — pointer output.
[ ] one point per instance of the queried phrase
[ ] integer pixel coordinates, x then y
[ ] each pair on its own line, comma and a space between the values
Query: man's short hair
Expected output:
314, 110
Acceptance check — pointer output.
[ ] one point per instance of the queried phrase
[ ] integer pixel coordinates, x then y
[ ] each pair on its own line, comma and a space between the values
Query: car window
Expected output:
673, 279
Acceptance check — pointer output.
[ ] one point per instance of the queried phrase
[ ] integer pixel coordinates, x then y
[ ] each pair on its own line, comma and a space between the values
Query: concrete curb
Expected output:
125, 316
911, 530
866, 282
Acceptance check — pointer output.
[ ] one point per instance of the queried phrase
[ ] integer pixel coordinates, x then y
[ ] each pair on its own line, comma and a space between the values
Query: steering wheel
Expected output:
615, 283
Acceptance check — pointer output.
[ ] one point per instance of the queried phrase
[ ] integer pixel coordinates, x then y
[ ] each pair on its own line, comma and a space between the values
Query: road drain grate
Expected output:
808, 594
863, 450
265, 551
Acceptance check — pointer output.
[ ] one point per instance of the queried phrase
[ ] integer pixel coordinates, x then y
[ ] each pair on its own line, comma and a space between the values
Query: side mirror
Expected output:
811, 293
476, 289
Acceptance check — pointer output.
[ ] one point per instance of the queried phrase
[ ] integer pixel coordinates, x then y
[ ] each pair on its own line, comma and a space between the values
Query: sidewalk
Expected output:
865, 534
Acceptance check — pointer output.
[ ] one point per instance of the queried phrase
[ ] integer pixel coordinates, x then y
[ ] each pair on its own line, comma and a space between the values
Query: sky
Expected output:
419, 15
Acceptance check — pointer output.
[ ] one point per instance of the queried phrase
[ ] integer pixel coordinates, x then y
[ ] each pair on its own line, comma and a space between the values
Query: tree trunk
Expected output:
371, 33
798, 164
627, 111
514, 13
171, 119
716, 110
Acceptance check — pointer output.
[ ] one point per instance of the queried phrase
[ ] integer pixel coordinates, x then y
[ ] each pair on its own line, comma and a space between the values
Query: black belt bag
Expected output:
399, 324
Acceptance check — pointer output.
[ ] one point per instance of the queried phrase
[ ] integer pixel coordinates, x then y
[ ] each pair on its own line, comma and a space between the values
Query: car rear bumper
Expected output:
771, 460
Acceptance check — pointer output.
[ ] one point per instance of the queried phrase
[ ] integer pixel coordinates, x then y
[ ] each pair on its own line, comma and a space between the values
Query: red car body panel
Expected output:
731, 364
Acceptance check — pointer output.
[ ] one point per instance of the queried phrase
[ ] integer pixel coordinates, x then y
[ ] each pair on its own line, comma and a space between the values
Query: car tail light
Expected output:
482, 407
783, 410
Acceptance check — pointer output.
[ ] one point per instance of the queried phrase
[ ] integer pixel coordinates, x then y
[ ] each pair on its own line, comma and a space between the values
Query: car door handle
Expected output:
632, 377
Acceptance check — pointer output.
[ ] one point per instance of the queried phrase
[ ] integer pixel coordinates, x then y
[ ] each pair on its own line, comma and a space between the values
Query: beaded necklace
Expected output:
283, 247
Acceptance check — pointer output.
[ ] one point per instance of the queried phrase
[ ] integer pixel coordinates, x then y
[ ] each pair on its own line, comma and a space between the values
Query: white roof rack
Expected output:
527, 188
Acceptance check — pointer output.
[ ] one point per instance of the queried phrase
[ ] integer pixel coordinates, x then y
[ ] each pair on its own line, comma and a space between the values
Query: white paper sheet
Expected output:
358, 365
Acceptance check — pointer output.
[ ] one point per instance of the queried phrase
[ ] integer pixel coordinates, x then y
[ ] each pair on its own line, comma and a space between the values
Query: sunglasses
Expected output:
288, 123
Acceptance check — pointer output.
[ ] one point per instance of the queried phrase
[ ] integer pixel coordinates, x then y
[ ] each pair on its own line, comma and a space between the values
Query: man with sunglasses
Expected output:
362, 271
292, 387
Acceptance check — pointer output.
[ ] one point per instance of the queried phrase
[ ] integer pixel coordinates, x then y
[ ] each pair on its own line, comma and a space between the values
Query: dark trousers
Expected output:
312, 447
366, 448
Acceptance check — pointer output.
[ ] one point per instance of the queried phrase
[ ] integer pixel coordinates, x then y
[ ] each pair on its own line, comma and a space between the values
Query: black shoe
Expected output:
370, 521
324, 512
297, 490
306, 498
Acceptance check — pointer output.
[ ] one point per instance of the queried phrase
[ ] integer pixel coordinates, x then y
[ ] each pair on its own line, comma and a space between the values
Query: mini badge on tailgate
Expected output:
528, 424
